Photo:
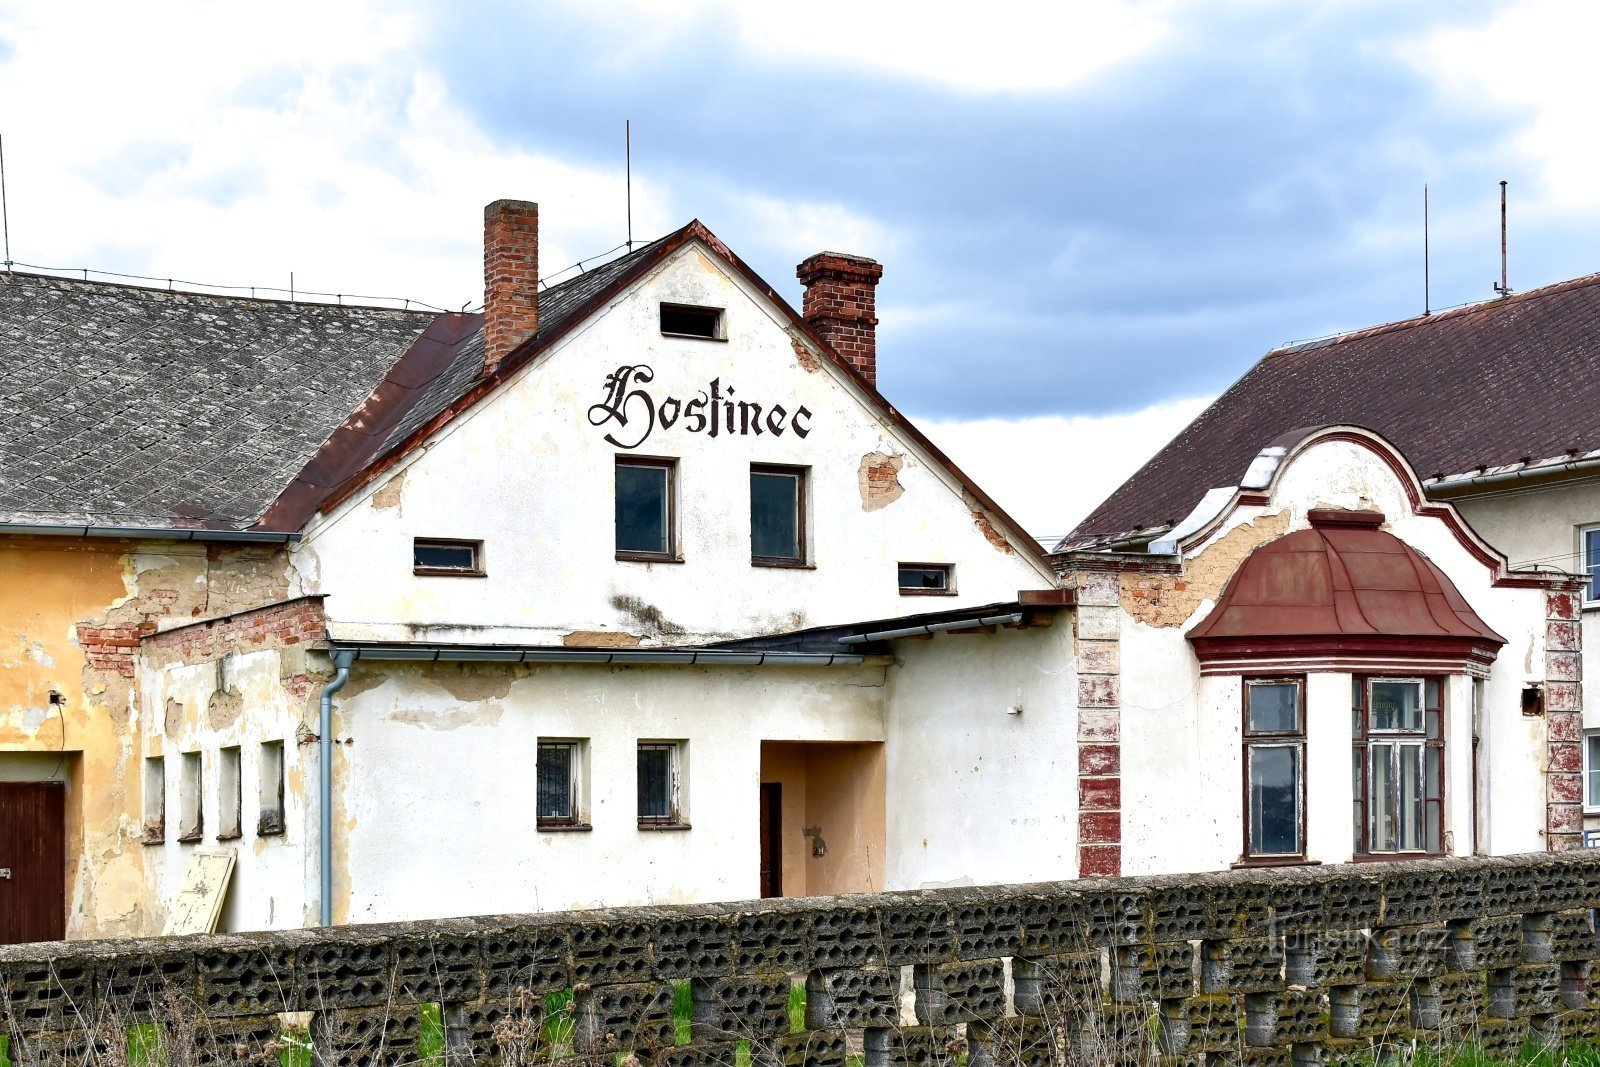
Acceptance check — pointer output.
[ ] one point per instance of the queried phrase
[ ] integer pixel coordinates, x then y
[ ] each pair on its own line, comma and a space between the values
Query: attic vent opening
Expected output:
686, 320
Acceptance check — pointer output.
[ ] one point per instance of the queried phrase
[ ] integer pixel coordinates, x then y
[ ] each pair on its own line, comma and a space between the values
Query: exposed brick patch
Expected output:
291, 622
113, 648
878, 478
841, 305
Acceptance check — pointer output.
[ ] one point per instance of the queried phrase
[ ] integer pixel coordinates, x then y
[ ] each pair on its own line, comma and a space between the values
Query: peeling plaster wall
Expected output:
1182, 764
70, 616
240, 700
1539, 527
529, 475
435, 803
978, 796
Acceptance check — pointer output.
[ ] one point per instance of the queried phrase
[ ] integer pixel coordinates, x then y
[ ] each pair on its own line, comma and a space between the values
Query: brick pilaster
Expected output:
1098, 627
1563, 717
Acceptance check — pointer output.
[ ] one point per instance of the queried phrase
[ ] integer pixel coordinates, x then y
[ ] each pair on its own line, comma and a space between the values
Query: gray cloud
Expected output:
1144, 236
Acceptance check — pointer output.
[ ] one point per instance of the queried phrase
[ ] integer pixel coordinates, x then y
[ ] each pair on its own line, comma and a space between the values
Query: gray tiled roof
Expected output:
126, 406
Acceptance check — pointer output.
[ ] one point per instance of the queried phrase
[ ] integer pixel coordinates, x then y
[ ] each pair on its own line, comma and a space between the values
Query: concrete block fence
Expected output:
1300, 965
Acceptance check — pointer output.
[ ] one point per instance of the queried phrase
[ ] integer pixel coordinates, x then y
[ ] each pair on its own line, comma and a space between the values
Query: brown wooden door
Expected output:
772, 839
33, 862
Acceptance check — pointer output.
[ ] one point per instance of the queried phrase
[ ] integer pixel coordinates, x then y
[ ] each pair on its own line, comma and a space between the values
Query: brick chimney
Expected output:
841, 304
510, 278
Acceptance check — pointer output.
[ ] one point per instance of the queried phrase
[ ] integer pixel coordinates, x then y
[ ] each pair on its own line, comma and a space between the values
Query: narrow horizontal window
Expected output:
686, 320
919, 579
777, 515
644, 508
440, 556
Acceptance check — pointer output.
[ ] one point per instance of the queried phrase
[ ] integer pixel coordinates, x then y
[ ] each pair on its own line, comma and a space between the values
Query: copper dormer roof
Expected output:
1343, 590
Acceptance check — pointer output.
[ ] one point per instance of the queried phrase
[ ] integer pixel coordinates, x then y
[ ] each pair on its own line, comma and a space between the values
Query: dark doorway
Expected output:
33, 862
771, 839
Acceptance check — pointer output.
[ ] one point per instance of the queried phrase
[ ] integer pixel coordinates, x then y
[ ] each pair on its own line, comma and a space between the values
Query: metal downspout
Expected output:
341, 660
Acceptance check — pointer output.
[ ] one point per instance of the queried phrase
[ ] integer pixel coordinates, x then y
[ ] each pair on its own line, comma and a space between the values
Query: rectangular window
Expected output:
1274, 768
686, 320
1591, 771
155, 800
661, 785
1589, 546
927, 579
270, 789
1397, 766
191, 815
447, 557
230, 797
645, 509
777, 515
559, 781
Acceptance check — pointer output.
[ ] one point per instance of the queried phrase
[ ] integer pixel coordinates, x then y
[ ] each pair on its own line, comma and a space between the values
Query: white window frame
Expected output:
1590, 590
1591, 772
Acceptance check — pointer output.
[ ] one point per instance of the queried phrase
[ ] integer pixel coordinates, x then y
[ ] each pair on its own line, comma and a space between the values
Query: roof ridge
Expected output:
1495, 304
154, 290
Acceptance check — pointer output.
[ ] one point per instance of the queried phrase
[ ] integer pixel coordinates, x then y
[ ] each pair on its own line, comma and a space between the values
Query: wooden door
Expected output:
33, 862
772, 839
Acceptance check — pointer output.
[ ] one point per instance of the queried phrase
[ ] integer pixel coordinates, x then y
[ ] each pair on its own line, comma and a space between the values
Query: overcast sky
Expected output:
1093, 216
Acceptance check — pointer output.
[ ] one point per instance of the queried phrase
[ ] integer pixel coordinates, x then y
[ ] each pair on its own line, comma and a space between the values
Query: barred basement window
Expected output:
446, 557
661, 785
1274, 768
155, 800
558, 782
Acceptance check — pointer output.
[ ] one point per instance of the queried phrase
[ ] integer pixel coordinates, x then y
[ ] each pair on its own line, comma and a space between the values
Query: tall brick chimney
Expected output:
510, 278
841, 304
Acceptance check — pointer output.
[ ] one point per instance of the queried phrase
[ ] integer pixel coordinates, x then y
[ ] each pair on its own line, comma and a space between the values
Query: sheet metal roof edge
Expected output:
436, 652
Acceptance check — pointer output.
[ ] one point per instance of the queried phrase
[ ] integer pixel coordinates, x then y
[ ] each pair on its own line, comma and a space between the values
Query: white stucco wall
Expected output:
976, 795
1181, 733
436, 808
1539, 527
528, 474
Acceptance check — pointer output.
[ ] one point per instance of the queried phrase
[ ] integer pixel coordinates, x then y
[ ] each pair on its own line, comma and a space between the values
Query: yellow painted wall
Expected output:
839, 789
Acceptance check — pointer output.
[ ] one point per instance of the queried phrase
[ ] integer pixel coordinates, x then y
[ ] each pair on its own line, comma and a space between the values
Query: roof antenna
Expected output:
1503, 288
5, 217
1427, 303
627, 148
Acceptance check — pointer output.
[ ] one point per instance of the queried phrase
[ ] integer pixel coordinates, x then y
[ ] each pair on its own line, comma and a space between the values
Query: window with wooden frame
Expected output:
661, 786
1397, 766
646, 508
1274, 770
777, 516
927, 579
447, 557
559, 783
690, 320
1589, 561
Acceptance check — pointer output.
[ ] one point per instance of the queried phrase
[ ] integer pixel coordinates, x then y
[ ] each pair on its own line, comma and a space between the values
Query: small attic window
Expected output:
686, 320
441, 556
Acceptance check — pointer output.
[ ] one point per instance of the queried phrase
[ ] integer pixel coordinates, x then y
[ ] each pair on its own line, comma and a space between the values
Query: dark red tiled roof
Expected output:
1482, 386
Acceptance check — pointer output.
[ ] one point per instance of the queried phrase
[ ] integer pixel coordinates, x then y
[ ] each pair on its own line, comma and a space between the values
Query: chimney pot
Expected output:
841, 306
510, 278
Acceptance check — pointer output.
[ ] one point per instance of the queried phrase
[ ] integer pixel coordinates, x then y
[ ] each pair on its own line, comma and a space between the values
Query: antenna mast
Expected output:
1504, 289
5, 217
1427, 302
627, 148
